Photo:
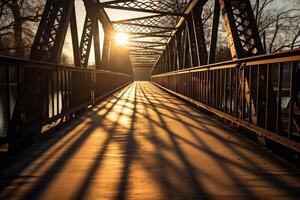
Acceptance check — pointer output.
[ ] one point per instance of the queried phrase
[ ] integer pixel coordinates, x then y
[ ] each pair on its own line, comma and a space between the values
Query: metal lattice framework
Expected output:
169, 36
171, 7
163, 21
148, 35
132, 28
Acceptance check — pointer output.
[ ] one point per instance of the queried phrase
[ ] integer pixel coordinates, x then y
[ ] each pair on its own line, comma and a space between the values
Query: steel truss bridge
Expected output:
256, 93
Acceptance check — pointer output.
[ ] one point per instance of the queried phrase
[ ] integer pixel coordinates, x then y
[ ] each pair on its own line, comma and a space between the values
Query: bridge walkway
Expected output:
142, 143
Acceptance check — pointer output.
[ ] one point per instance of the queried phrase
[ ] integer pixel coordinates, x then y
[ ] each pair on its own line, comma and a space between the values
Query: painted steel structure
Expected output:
170, 39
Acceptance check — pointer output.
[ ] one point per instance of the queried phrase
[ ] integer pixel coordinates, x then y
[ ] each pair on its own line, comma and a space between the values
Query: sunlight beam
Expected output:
121, 38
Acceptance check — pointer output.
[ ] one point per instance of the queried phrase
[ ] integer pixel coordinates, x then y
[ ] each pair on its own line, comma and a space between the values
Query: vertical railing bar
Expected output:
214, 88
257, 94
192, 74
236, 92
70, 89
66, 89
210, 91
209, 87
52, 93
221, 89
202, 96
225, 91
218, 89
201, 87
267, 96
243, 93
48, 91
193, 85
231, 90
250, 93
62, 91
279, 95
213, 72
8, 98
197, 88
191, 81
292, 99
189, 85
206, 87
57, 90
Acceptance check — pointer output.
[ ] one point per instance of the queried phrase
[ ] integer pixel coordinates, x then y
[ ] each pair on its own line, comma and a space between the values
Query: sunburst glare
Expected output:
121, 38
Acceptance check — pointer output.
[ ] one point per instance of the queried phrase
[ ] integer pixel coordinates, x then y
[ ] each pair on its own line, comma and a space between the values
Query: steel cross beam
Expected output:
143, 25
144, 45
160, 20
146, 42
168, 7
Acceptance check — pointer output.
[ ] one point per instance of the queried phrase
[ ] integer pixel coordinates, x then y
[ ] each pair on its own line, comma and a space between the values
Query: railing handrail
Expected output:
6, 61
242, 91
270, 58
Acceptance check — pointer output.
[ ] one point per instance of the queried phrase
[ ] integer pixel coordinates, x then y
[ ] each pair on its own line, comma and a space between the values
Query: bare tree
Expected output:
18, 20
278, 24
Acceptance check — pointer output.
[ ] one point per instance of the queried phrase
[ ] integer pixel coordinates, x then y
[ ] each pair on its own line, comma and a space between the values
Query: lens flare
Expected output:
121, 38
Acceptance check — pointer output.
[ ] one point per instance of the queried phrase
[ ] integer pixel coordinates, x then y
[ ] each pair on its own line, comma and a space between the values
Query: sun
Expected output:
121, 38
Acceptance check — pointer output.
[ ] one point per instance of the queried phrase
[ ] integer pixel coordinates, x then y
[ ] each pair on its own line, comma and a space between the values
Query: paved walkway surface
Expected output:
144, 144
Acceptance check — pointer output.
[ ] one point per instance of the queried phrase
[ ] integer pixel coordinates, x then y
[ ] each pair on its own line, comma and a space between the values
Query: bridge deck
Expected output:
143, 143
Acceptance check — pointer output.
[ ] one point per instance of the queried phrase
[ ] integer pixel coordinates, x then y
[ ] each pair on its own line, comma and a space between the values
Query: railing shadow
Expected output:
147, 139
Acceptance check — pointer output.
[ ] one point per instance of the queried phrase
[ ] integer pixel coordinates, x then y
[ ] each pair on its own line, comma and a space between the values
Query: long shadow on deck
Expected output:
138, 122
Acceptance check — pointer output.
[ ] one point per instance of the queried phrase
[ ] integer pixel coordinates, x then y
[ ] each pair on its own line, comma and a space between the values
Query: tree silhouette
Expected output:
18, 21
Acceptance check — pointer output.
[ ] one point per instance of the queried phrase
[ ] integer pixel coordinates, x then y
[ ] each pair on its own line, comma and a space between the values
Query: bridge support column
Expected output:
106, 51
97, 46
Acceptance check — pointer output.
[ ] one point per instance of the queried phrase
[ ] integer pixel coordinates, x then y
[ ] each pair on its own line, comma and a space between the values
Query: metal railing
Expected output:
36, 96
259, 93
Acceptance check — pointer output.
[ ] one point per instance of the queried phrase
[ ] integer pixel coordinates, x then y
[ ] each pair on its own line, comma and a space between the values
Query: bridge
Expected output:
197, 128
